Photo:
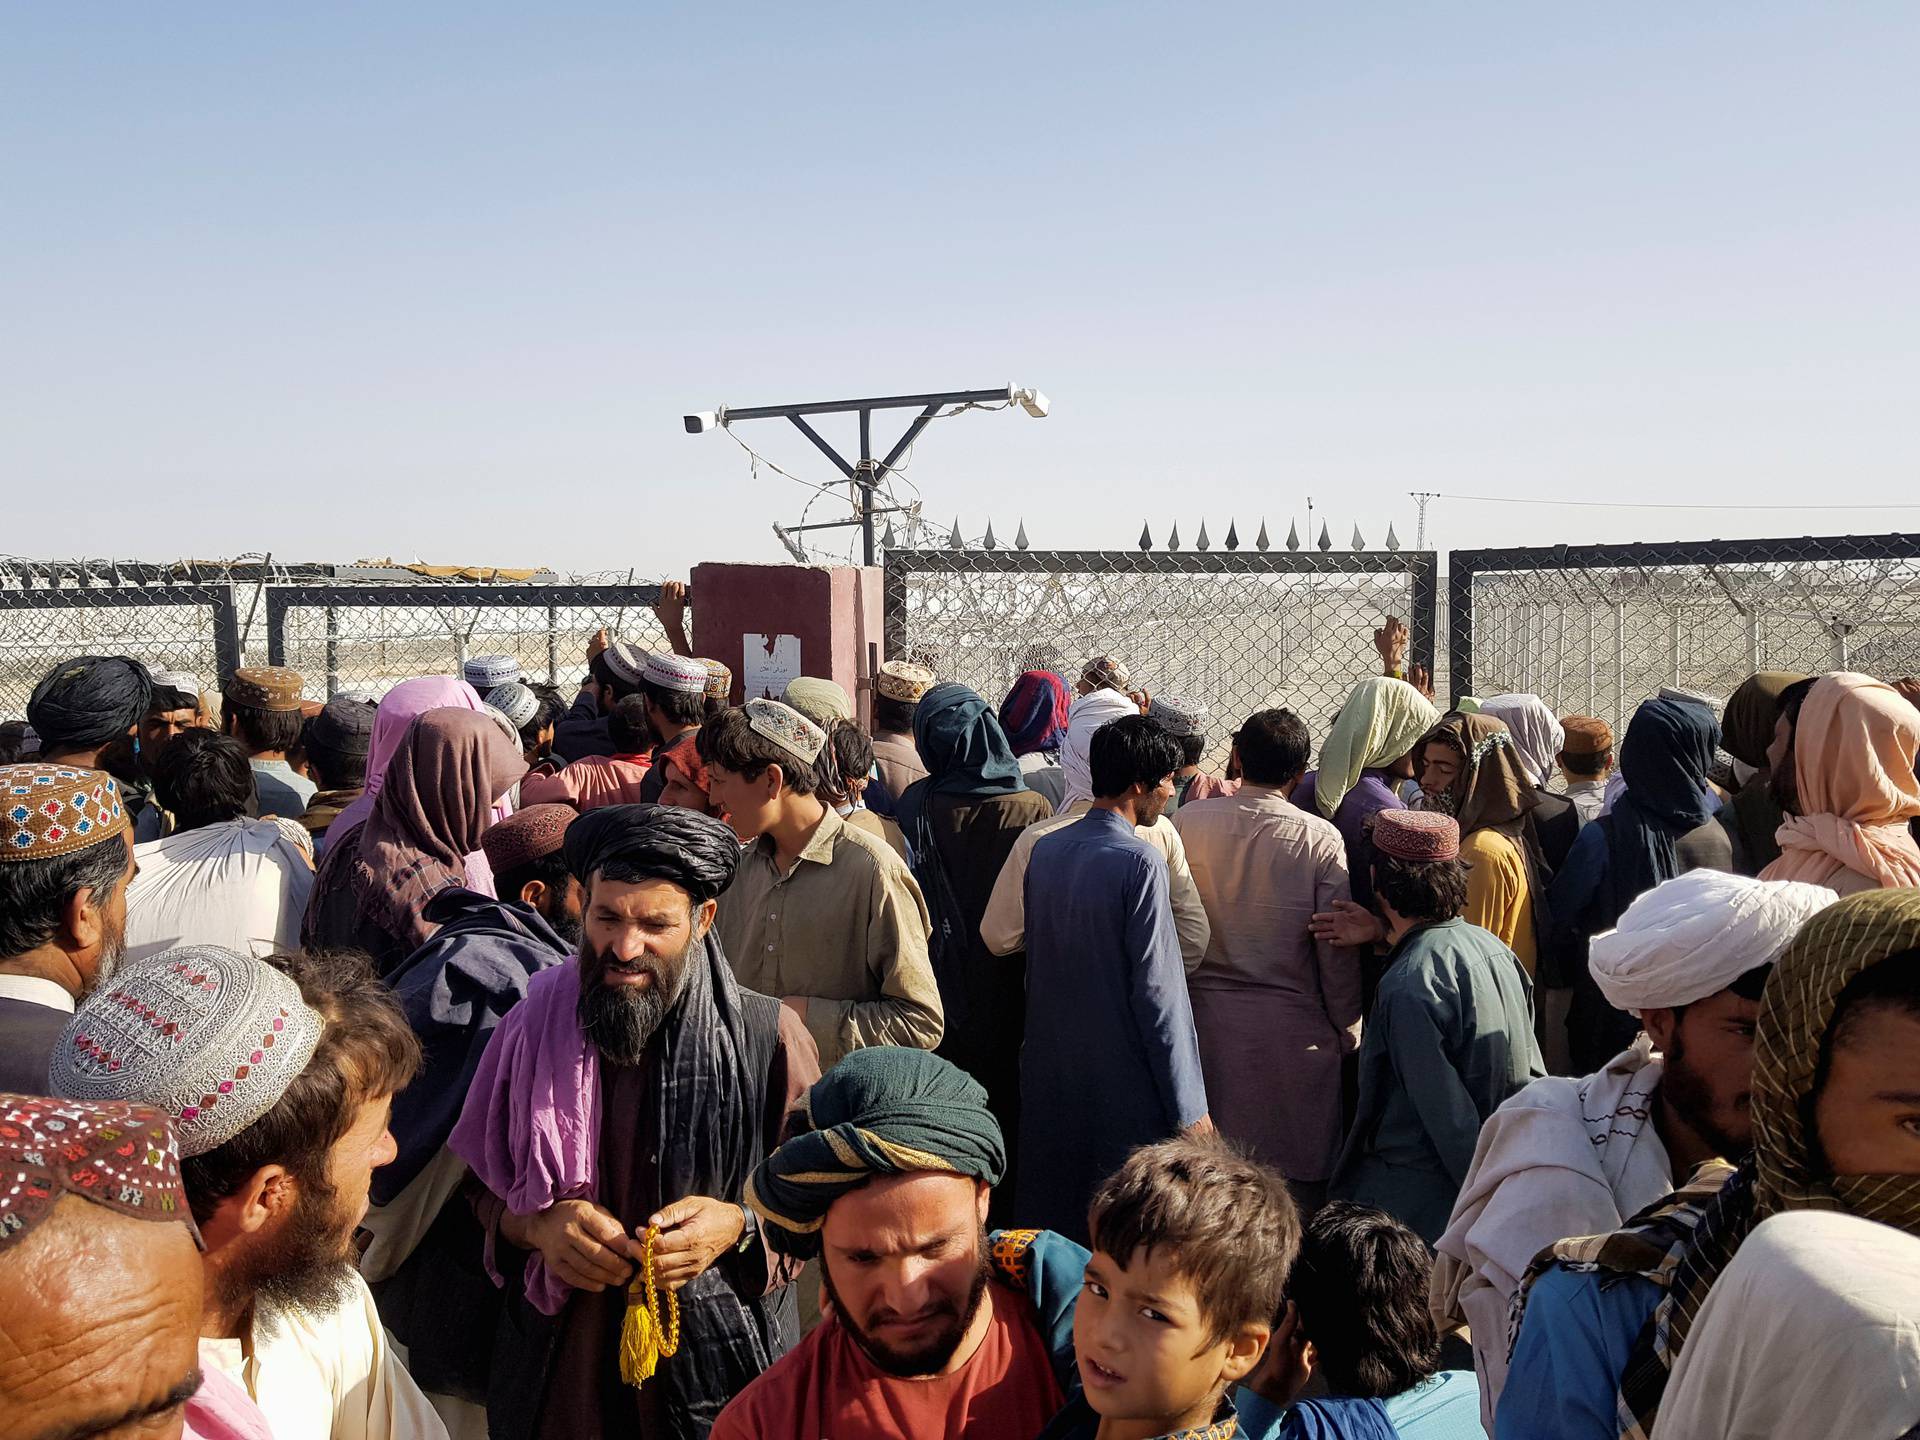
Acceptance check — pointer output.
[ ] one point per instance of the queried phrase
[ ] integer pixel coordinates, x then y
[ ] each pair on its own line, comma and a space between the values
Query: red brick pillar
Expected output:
770, 623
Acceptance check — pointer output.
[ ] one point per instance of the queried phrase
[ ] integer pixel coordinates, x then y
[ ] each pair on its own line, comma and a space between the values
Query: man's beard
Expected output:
308, 1265
1441, 804
1683, 1091
930, 1357
621, 1020
567, 928
112, 952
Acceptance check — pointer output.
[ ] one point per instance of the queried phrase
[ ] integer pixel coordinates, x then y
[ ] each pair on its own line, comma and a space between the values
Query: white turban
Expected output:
1696, 934
1088, 714
1537, 737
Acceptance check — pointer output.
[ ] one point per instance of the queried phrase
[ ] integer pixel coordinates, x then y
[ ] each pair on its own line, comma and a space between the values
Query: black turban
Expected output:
89, 701
663, 842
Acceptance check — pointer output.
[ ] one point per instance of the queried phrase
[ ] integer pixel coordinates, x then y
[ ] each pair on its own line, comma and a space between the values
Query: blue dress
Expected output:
1110, 1060
1563, 1382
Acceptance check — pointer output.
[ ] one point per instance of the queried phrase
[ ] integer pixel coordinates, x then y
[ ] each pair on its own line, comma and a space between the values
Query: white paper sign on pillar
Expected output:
772, 662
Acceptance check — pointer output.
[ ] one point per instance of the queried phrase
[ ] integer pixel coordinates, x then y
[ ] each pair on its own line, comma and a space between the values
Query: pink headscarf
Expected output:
399, 708
221, 1410
1853, 754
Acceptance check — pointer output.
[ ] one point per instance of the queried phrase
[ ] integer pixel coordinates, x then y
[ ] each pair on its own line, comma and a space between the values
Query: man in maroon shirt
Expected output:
934, 1328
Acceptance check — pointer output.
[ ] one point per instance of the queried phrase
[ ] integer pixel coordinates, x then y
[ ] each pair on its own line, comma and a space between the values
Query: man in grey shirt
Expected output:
260, 707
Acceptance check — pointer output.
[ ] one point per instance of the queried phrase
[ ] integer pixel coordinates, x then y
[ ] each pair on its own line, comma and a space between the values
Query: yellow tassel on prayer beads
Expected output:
646, 1339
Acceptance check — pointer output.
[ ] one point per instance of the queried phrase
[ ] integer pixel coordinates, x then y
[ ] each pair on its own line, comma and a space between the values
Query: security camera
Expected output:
1033, 402
701, 423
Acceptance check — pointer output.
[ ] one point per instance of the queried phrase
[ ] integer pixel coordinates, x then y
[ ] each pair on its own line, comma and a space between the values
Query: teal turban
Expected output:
881, 1111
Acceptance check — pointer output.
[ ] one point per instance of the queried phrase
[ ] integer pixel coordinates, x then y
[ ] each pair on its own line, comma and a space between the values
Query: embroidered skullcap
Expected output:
118, 1156
669, 671
884, 1110
627, 661
719, 680
665, 842
210, 1037
899, 680
1694, 935
1179, 717
516, 702
344, 726
489, 672
1106, 670
787, 728
88, 701
1419, 835
184, 681
1586, 735
526, 836
821, 701
269, 687
48, 810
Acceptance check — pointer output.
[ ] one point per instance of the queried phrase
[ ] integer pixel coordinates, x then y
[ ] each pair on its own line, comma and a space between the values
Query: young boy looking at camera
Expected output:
1191, 1248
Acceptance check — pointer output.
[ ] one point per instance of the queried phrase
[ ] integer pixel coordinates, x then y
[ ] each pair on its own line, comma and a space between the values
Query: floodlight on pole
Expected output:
867, 473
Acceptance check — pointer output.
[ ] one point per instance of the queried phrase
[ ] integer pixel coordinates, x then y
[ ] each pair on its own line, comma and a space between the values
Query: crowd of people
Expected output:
478, 1061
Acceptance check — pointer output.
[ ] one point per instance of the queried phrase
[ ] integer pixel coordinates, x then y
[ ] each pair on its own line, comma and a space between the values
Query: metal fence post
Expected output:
553, 644
333, 651
226, 634
1459, 626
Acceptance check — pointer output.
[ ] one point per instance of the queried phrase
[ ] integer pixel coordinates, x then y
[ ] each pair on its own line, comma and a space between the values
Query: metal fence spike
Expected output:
1233, 537
1202, 541
991, 543
1146, 536
1020, 540
1326, 540
1293, 536
1393, 540
1358, 542
953, 540
1262, 543
886, 536
1173, 536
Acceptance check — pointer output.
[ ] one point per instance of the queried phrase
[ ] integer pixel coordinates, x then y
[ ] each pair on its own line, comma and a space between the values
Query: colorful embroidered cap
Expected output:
515, 701
50, 810
627, 661
210, 1037
1178, 716
719, 680
787, 728
115, 1155
526, 836
268, 687
487, 672
899, 680
674, 672
1418, 835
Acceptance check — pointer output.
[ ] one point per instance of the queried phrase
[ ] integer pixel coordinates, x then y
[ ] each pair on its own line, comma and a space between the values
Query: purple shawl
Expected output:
531, 1126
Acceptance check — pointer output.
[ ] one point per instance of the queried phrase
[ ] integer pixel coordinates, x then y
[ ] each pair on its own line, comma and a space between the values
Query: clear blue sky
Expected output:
437, 281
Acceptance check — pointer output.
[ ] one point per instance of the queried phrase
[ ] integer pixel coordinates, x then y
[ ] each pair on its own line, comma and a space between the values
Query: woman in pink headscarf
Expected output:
400, 707
1853, 756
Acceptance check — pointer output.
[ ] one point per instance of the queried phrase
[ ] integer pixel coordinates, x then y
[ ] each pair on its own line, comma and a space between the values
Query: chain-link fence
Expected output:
339, 636
370, 637
1237, 632
1596, 629
170, 627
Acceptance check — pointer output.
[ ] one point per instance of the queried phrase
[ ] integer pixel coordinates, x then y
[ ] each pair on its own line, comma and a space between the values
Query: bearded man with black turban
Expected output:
636, 1085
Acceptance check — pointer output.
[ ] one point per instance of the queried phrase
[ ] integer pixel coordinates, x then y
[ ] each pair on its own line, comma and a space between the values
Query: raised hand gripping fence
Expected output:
1238, 632
1596, 629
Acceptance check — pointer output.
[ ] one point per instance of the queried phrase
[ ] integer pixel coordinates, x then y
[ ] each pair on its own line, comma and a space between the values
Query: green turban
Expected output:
885, 1110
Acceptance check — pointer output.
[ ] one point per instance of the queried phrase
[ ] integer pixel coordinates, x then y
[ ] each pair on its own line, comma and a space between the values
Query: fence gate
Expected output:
1238, 632
1596, 629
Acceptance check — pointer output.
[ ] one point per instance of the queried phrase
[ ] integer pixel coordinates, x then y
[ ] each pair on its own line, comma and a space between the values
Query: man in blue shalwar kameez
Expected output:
1110, 1059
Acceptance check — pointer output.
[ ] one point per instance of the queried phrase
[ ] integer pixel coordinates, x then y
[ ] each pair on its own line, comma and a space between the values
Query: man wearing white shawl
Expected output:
1580, 1157
1004, 925
1812, 1329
